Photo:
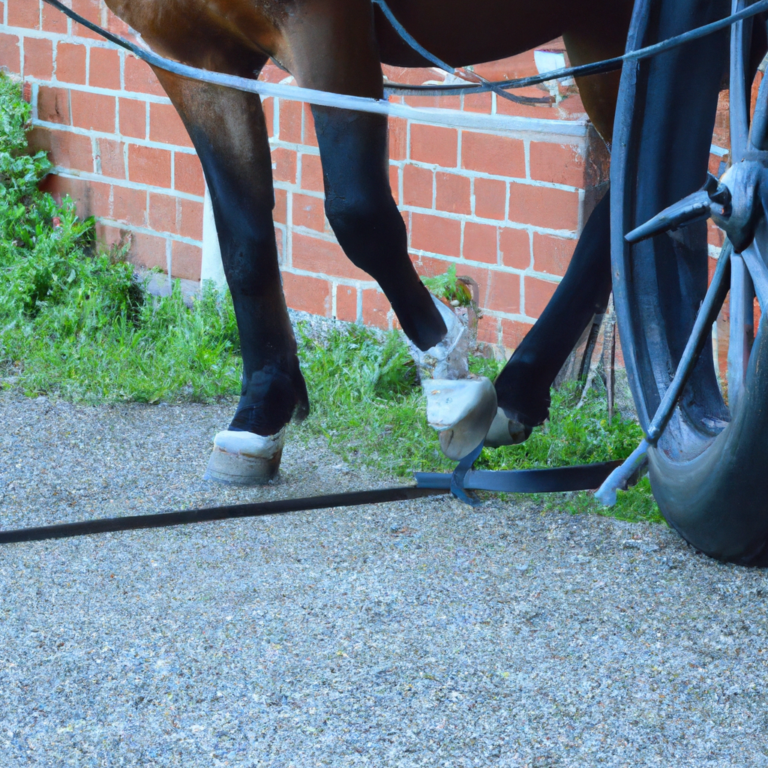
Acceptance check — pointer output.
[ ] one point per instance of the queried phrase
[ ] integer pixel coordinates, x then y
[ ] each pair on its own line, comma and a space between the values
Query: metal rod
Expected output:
707, 314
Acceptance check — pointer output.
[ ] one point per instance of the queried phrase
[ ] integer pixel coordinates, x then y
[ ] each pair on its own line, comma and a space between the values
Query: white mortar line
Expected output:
68, 173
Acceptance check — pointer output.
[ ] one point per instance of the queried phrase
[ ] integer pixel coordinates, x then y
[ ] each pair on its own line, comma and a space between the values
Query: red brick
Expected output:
417, 186
279, 242
432, 102
93, 111
552, 255
133, 118
515, 248
10, 56
557, 163
129, 205
346, 303
308, 212
187, 259
280, 211
544, 207
488, 329
148, 251
139, 78
268, 107
498, 155
166, 127
478, 102
323, 257
96, 199
430, 144
163, 213
54, 20
67, 150
149, 165
490, 199
394, 183
38, 58
376, 308
53, 105
480, 242
427, 266
117, 26
92, 198
188, 174
398, 138
88, 9
308, 294
70, 63
104, 69
24, 13
191, 224
290, 121
452, 193
513, 332
311, 173
503, 292
436, 234
284, 165
112, 158
537, 295
308, 136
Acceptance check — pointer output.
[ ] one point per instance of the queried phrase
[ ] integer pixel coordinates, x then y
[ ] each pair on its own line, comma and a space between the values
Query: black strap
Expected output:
427, 484
167, 519
586, 477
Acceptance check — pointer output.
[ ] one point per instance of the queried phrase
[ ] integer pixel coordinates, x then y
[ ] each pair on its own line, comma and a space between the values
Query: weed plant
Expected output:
73, 320
74, 323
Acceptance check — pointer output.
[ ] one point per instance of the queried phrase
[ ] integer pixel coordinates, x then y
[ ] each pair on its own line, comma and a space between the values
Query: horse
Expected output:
339, 46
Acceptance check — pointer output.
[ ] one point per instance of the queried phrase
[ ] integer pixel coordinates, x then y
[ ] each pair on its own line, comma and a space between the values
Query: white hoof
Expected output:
506, 431
448, 359
244, 458
461, 411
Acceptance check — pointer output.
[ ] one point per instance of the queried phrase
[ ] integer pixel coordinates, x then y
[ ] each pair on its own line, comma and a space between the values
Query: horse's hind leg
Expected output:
523, 387
228, 130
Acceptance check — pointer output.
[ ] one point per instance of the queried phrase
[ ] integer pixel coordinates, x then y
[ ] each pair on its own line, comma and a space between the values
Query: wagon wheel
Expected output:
709, 469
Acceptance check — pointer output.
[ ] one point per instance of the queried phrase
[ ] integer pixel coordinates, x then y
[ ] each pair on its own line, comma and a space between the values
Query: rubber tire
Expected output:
710, 481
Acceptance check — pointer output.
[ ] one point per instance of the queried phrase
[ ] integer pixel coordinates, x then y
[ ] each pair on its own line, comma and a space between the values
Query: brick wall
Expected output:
505, 203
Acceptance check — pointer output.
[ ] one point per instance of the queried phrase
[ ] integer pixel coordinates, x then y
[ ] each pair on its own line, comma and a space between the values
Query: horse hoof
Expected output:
244, 458
461, 411
449, 358
506, 431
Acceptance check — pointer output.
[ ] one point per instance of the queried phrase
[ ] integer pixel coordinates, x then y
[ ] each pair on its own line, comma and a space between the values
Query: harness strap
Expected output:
410, 39
427, 484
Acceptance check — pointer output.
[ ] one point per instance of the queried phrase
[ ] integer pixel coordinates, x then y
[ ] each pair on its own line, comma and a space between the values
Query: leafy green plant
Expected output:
447, 286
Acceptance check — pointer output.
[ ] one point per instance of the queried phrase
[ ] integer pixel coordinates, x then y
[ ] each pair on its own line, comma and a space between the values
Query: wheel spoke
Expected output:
739, 124
740, 337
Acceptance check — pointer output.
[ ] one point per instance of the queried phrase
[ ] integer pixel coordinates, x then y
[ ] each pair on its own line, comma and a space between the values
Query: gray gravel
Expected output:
412, 634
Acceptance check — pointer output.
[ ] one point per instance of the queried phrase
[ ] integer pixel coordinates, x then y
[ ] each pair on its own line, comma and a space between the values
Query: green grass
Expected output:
75, 324
366, 402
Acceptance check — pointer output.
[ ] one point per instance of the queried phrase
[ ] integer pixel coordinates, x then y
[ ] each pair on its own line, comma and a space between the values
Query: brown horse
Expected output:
339, 46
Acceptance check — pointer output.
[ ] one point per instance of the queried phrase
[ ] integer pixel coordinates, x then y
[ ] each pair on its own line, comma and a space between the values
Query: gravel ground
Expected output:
422, 633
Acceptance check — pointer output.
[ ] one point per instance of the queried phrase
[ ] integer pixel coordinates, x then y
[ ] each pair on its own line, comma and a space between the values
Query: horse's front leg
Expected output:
228, 130
341, 56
